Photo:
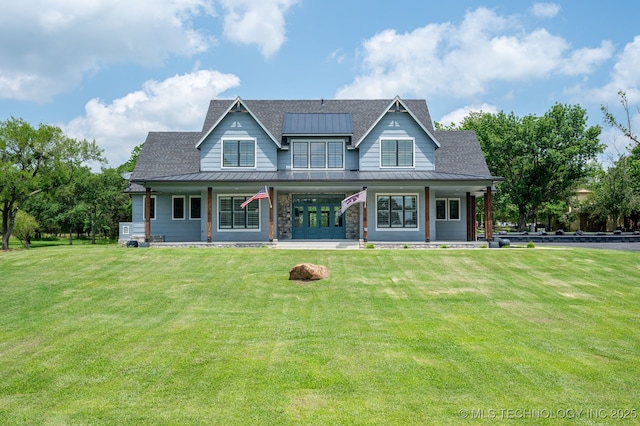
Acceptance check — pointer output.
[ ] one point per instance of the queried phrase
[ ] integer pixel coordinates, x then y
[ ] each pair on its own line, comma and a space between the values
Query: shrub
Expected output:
531, 244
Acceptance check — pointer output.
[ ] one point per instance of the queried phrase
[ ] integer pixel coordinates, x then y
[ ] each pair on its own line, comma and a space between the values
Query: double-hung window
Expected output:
397, 211
317, 154
233, 217
178, 207
396, 153
239, 153
195, 207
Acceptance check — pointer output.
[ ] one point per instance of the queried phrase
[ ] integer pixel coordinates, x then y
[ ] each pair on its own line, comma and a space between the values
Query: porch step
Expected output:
318, 245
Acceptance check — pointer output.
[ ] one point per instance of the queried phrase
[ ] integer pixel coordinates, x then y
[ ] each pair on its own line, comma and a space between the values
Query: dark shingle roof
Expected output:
364, 112
174, 156
460, 152
168, 153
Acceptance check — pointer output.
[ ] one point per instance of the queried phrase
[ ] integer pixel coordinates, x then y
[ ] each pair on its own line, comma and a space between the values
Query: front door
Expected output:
317, 216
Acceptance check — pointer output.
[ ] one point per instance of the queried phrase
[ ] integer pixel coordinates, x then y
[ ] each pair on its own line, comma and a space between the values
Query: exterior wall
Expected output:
389, 234
451, 230
164, 225
284, 223
241, 235
238, 125
397, 125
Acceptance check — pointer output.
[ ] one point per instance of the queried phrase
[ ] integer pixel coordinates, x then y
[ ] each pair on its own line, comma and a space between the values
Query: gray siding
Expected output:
451, 230
238, 125
164, 225
397, 125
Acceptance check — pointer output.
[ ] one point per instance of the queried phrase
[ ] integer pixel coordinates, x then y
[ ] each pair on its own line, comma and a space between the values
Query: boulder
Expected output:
308, 271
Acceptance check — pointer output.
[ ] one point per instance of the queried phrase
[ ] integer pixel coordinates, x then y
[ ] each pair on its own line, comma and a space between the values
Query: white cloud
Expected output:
177, 103
464, 60
456, 116
54, 43
259, 22
545, 10
624, 76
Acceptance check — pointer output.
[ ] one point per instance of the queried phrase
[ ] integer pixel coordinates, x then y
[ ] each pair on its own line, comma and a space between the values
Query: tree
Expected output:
33, 160
541, 158
25, 226
611, 120
613, 194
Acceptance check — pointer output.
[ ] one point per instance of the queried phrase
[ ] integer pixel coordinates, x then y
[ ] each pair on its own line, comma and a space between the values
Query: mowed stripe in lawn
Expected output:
186, 336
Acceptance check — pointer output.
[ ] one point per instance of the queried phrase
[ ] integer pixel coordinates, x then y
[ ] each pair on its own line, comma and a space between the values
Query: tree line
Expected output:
47, 187
545, 159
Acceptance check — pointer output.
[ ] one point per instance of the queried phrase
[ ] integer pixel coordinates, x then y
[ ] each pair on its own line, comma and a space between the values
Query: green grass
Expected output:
108, 335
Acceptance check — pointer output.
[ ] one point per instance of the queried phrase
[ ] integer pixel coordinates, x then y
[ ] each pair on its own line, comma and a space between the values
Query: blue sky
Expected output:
114, 70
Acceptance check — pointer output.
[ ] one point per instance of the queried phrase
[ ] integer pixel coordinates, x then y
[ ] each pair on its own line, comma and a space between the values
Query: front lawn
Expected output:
109, 335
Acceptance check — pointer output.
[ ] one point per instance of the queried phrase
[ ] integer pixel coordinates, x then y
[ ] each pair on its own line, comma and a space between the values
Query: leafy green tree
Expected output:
542, 159
33, 160
614, 195
24, 227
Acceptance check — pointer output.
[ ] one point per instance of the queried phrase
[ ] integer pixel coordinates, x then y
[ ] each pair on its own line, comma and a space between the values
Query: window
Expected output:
447, 209
239, 153
178, 207
195, 206
454, 209
152, 209
441, 209
232, 216
318, 154
396, 152
397, 211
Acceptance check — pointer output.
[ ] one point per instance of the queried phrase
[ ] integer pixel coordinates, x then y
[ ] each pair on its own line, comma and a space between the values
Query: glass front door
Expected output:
317, 216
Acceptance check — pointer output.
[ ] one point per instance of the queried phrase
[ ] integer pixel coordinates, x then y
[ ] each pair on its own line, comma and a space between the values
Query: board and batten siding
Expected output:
397, 126
238, 125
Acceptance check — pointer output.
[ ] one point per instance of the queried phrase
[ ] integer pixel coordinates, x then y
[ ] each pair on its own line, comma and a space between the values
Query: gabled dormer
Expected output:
397, 140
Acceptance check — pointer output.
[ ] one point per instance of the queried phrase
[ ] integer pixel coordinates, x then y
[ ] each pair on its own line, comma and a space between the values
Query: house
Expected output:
421, 184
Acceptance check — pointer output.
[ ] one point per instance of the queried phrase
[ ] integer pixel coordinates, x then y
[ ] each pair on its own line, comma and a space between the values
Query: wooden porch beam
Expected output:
209, 214
427, 215
147, 219
488, 216
271, 203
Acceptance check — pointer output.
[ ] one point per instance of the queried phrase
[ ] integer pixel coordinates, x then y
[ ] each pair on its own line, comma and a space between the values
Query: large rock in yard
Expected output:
308, 271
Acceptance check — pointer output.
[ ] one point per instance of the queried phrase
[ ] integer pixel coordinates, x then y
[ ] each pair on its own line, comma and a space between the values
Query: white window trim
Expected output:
144, 207
173, 205
255, 154
191, 197
325, 141
125, 230
413, 155
447, 209
403, 229
258, 229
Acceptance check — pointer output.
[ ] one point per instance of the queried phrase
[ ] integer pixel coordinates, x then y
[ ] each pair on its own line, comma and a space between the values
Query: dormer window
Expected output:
239, 153
317, 154
396, 152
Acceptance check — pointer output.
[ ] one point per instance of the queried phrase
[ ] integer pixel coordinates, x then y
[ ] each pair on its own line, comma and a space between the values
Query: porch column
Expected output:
469, 221
488, 216
365, 230
474, 235
427, 215
271, 202
209, 214
147, 219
